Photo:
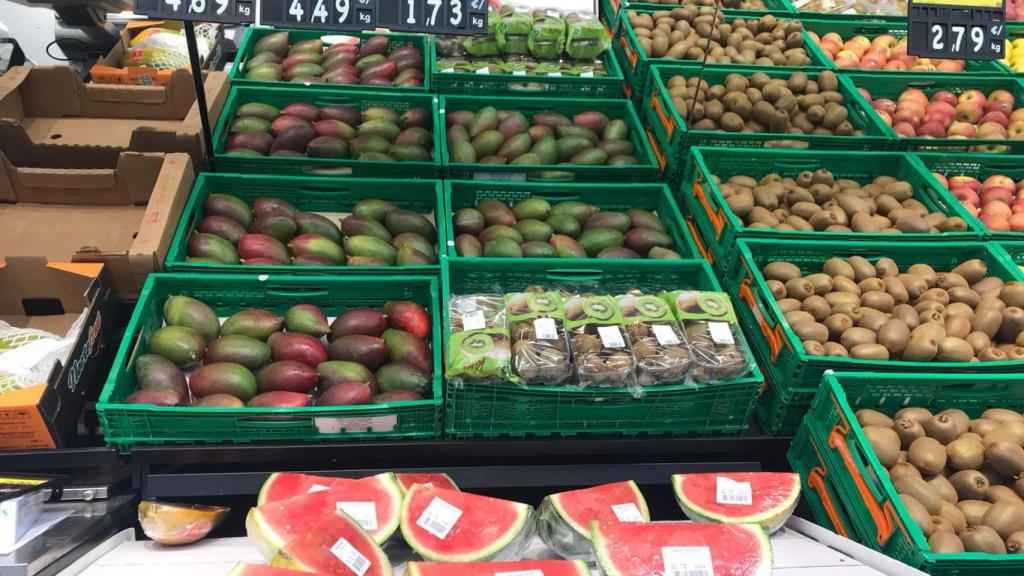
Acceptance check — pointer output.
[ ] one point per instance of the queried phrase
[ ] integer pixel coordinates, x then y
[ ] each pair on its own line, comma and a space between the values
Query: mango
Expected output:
461, 118
591, 157
513, 124
616, 130
334, 372
342, 113
155, 372
263, 246
487, 143
258, 110
286, 375
373, 208
301, 57
546, 149
356, 225
457, 133
485, 119
408, 316
226, 228
228, 206
317, 246
577, 131
564, 224
413, 240
345, 394
538, 249
304, 110
284, 122
280, 399
275, 42
462, 152
398, 376
156, 397
180, 344
307, 319
566, 247
279, 226
528, 159
254, 323
502, 248
383, 128
416, 135
369, 351
244, 350
259, 142
500, 231
313, 223
263, 262
658, 253
328, 147
364, 321
268, 72
294, 138
416, 118
249, 124
304, 71
645, 219
366, 261
614, 220
496, 212
594, 121
297, 346
623, 160
515, 146
384, 71
595, 240
468, 221
400, 220
374, 45
405, 346
381, 113
371, 247
550, 119
223, 378
313, 261
396, 396
368, 143
468, 246
534, 230
186, 311
616, 147
578, 210
569, 146
218, 401
617, 252
641, 240
410, 256
410, 153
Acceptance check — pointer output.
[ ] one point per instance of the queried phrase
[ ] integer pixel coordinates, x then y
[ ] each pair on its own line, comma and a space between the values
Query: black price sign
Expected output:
958, 29
328, 14
223, 11
434, 16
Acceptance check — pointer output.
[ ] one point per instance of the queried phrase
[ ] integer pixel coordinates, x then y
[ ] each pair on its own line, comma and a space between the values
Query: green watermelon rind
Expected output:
607, 566
412, 569
584, 531
484, 553
771, 519
379, 559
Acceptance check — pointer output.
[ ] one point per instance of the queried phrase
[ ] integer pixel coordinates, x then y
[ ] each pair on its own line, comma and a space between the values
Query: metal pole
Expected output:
197, 79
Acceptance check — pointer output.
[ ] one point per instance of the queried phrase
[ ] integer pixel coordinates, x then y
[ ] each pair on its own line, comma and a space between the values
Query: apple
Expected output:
867, 95
895, 65
996, 117
996, 223
969, 112
887, 40
923, 67
885, 117
992, 148
962, 130
848, 54
1004, 195
996, 208
942, 179
847, 62
944, 96
914, 94
1017, 222
900, 49
833, 36
1016, 130
903, 115
990, 130
965, 182
830, 47
1017, 115
1002, 96
998, 181
999, 106
932, 129
974, 96
1020, 186
904, 129
870, 64
949, 66
884, 105
966, 195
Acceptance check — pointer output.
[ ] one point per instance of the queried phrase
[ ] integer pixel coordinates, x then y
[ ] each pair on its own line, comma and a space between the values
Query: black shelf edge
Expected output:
58, 459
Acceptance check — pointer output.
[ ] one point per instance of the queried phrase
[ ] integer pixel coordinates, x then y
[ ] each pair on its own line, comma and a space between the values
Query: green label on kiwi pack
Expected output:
529, 305
644, 308
479, 354
696, 305
584, 310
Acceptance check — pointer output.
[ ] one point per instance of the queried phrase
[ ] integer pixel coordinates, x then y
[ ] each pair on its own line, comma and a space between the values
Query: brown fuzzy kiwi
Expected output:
837, 324
817, 307
1002, 415
942, 428
918, 514
908, 431
982, 539
1015, 543
960, 419
781, 271
953, 514
869, 417
838, 267
1001, 493
970, 485
1005, 517
917, 414
835, 349
894, 334
857, 336
944, 488
940, 524
1009, 431
904, 469
862, 269
1005, 457
928, 455
973, 510
869, 352
945, 542
965, 454
923, 492
885, 443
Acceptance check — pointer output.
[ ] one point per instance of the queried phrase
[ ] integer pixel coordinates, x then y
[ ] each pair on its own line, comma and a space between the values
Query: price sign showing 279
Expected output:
959, 29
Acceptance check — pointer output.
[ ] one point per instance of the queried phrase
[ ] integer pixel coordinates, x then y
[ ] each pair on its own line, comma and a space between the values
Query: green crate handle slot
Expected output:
261, 422
326, 170
290, 293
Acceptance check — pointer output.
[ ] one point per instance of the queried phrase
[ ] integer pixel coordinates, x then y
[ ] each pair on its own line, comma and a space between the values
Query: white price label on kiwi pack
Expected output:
665, 335
611, 336
474, 320
721, 333
545, 328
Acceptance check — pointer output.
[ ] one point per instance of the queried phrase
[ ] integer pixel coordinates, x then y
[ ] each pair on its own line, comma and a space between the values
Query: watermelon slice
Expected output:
335, 545
765, 498
245, 569
284, 485
374, 502
451, 526
430, 478
523, 568
671, 548
564, 519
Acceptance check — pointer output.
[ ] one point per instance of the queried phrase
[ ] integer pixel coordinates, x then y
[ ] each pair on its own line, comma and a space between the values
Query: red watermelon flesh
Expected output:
437, 479
565, 517
773, 497
451, 526
335, 545
374, 502
245, 569
284, 485
524, 567
669, 548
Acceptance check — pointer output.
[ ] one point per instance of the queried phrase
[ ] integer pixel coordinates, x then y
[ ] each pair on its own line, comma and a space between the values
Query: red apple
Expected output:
863, 92
966, 195
907, 116
991, 130
996, 223
895, 65
996, 117
932, 129
833, 36
1017, 115
999, 106
885, 117
847, 63
992, 148
845, 53
904, 129
969, 112
1015, 130
942, 179
944, 96
1017, 222
965, 182
996, 208
870, 64
975, 96
1002, 96
885, 105
998, 181
997, 194
950, 66
962, 130
914, 94
900, 49
887, 40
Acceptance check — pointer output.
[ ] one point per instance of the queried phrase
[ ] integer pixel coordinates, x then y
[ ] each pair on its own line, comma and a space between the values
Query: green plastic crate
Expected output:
879, 519
398, 101
882, 86
979, 166
256, 33
128, 425
654, 197
819, 492
1015, 251
332, 196
844, 17
779, 350
469, 83
636, 65
609, 11
723, 229
644, 171
780, 409
490, 410
776, 7
850, 28
672, 136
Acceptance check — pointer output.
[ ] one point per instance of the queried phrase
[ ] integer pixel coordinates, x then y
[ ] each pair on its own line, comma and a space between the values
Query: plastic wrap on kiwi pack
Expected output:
659, 347
540, 350
600, 347
479, 347
709, 325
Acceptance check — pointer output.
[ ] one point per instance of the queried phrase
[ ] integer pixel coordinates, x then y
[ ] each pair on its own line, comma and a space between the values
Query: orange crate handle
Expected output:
816, 481
704, 252
883, 516
714, 213
773, 335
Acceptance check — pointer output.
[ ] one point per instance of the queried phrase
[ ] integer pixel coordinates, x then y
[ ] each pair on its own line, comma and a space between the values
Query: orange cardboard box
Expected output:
109, 70
123, 216
49, 111
50, 297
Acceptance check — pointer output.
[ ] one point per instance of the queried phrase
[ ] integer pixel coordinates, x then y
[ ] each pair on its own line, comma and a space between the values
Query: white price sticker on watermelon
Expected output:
665, 334
687, 561
350, 557
729, 491
364, 513
545, 329
439, 518
627, 512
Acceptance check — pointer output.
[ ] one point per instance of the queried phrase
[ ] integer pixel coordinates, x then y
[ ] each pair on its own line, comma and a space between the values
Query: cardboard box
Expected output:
50, 297
123, 216
109, 70
49, 111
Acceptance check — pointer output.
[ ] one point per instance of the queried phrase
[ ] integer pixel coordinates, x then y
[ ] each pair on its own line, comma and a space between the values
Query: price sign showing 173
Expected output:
958, 29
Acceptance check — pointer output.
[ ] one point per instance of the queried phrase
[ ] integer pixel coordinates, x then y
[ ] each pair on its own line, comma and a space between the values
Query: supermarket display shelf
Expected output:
59, 459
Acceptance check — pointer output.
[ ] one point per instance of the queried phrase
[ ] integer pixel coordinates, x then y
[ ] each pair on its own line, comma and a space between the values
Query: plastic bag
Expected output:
515, 33
485, 44
547, 38
540, 349
716, 341
660, 349
599, 344
586, 39
27, 356
479, 348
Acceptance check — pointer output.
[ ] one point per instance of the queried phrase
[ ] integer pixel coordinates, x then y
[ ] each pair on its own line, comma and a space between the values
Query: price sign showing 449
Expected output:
959, 29
328, 14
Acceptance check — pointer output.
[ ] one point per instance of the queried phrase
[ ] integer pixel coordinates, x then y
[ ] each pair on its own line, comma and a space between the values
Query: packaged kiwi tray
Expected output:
721, 229
880, 86
796, 374
508, 410
255, 33
673, 137
333, 197
320, 97
979, 166
652, 197
637, 65
128, 425
848, 488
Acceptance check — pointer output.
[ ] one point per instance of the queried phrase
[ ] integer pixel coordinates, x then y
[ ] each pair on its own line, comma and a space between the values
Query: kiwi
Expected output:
955, 517
919, 415
781, 271
1015, 543
1000, 493
1009, 431
885, 443
921, 490
960, 419
945, 542
918, 514
835, 349
904, 469
942, 486
965, 454
817, 307
1002, 415
869, 417
1005, 457
970, 485
942, 428
857, 336
894, 335
928, 455
908, 431
982, 539
940, 524
838, 267
973, 509
837, 324
1005, 517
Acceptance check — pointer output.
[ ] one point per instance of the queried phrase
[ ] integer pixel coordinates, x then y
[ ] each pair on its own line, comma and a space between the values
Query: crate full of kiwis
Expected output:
567, 383
758, 108
934, 307
817, 195
942, 452
694, 34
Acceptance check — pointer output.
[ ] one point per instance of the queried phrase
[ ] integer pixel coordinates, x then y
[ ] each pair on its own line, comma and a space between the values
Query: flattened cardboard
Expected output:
109, 70
51, 109
45, 415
